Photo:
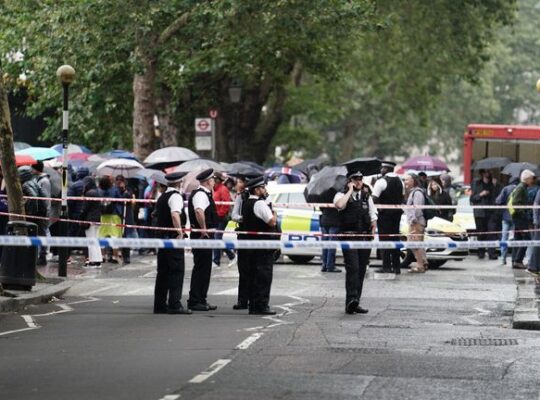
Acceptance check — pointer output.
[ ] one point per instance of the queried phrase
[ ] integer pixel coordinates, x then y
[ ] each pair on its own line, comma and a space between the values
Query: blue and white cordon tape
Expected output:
14, 240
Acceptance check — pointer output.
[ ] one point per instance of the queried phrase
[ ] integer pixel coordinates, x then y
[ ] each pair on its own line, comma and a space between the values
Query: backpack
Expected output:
429, 213
511, 200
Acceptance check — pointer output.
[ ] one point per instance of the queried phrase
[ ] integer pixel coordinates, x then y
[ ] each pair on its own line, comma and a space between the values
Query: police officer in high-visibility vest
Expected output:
358, 215
257, 216
170, 262
203, 218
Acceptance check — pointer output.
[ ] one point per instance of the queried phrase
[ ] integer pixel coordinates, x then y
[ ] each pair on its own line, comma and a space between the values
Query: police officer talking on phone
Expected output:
357, 215
170, 262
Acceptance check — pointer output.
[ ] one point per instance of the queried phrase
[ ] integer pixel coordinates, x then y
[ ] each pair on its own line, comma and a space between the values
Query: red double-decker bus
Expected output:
516, 142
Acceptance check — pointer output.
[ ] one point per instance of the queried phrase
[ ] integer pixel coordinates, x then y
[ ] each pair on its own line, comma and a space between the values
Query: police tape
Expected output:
36, 241
306, 206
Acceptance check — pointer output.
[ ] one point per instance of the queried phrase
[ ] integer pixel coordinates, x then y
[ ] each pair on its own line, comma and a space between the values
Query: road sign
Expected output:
203, 143
203, 125
214, 113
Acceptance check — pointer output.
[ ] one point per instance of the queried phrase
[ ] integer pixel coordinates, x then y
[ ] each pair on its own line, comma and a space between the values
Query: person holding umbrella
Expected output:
358, 215
203, 218
483, 194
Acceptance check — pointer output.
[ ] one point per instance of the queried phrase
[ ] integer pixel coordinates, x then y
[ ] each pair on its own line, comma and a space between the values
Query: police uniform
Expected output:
256, 214
170, 262
357, 217
389, 190
202, 258
241, 254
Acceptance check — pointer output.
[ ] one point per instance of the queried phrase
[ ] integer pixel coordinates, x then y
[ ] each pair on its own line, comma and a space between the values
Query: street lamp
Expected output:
235, 96
66, 75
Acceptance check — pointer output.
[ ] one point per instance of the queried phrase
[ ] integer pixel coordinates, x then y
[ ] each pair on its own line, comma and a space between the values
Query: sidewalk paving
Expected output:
527, 306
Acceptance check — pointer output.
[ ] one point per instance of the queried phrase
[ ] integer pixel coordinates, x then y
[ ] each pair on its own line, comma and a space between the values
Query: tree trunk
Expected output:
347, 144
168, 129
144, 110
7, 154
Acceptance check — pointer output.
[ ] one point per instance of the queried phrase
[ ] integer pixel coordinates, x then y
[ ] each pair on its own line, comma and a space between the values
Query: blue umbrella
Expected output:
119, 154
39, 153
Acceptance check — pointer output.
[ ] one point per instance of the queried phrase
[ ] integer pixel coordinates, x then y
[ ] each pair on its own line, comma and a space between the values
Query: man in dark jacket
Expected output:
507, 225
329, 223
75, 206
483, 194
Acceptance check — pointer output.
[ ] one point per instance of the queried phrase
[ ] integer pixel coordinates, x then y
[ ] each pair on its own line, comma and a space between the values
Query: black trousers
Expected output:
356, 262
200, 276
483, 225
389, 225
520, 224
169, 279
243, 277
261, 265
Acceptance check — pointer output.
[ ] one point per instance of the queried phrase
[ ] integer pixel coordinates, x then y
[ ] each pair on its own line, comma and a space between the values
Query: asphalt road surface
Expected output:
443, 335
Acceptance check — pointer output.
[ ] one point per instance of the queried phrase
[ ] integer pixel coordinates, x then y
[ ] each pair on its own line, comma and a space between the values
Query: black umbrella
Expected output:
491, 163
324, 185
243, 169
515, 169
309, 167
366, 165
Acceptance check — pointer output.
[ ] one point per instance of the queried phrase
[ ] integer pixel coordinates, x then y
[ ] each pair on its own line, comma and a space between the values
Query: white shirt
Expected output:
381, 184
261, 210
176, 201
354, 196
200, 200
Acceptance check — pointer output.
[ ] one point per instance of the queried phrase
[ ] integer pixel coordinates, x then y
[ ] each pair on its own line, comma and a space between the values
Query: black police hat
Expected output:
175, 177
205, 175
256, 182
388, 164
352, 174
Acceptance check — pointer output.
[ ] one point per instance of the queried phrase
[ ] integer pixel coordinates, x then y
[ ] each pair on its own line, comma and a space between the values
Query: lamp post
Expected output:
66, 75
235, 96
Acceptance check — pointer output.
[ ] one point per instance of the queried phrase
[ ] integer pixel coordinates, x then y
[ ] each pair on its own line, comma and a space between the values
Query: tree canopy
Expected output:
374, 71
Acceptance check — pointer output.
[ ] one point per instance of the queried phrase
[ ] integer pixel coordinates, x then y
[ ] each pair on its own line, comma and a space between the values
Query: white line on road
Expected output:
30, 321
249, 341
103, 289
150, 274
213, 369
18, 330
170, 397
136, 291
227, 292
64, 309
88, 300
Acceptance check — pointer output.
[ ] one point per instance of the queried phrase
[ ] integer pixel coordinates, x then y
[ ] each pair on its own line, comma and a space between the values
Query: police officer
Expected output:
170, 262
243, 266
202, 217
389, 190
357, 215
257, 216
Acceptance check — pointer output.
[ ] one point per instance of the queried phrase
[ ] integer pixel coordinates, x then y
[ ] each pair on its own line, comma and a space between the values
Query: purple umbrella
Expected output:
425, 163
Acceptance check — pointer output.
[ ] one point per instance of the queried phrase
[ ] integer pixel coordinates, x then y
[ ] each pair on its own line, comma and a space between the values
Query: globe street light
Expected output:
235, 96
66, 75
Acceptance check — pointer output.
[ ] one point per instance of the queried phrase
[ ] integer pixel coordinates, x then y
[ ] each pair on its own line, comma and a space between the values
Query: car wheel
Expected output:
301, 259
434, 264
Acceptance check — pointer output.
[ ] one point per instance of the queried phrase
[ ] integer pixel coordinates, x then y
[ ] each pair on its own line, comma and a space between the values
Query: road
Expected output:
443, 335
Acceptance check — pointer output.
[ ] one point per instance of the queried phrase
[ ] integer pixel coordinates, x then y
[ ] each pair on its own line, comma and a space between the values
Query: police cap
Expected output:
353, 174
175, 177
388, 164
256, 182
205, 175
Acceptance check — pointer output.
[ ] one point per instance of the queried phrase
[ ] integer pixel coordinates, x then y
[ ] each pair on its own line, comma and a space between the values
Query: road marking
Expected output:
212, 370
30, 321
255, 328
136, 290
88, 300
151, 274
249, 341
64, 309
18, 330
227, 292
103, 289
170, 397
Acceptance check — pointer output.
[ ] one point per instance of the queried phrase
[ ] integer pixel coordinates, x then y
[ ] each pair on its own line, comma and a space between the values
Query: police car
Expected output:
298, 221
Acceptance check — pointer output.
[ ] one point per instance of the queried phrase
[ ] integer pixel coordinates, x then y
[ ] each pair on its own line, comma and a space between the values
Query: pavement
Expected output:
445, 334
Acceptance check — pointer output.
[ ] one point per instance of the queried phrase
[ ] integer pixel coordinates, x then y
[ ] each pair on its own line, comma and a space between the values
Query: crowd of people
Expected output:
354, 217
